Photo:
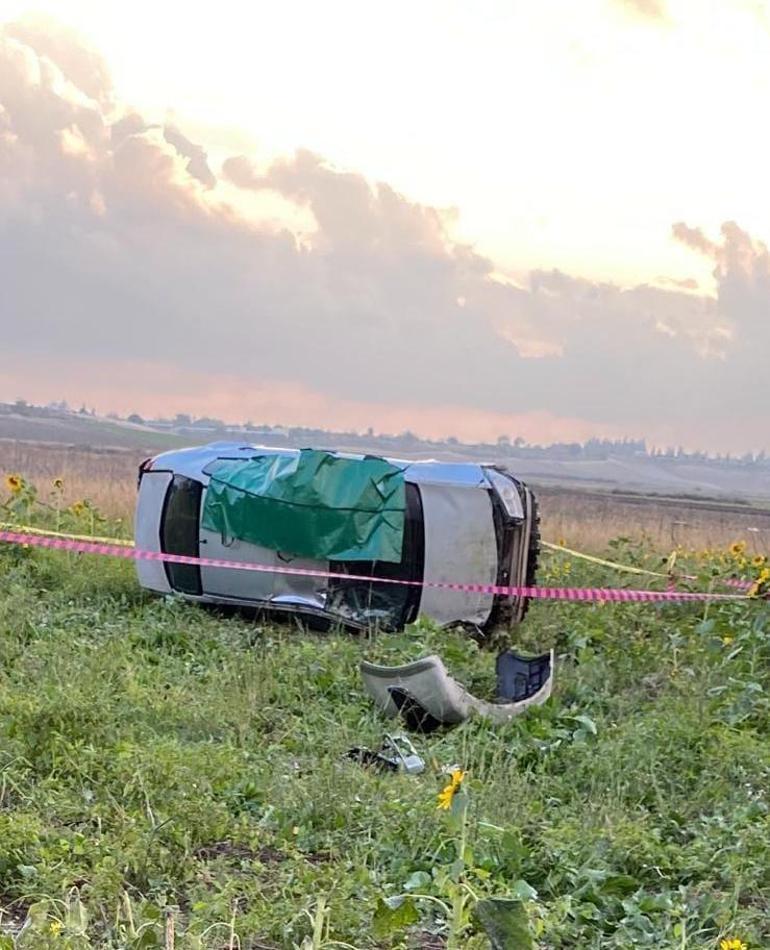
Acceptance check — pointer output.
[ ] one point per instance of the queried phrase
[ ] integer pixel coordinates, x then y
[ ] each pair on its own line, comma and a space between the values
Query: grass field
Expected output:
171, 777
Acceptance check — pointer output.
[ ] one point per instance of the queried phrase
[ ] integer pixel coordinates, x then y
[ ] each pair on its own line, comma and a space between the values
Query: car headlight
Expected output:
507, 493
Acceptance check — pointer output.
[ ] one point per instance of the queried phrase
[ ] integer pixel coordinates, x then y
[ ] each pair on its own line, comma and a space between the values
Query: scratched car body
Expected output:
463, 523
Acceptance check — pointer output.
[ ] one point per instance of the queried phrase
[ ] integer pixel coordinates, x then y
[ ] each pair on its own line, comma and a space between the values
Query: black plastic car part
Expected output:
415, 717
518, 677
144, 466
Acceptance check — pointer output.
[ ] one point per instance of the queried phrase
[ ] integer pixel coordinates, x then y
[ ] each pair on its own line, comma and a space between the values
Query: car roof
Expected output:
191, 462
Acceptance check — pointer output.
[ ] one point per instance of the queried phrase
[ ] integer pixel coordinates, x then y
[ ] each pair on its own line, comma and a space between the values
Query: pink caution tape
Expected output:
583, 594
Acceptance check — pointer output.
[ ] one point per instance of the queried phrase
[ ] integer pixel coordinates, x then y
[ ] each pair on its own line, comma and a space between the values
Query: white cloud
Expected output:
116, 245
647, 9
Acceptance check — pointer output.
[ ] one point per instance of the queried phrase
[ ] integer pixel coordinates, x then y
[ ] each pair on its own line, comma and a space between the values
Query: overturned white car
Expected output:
340, 514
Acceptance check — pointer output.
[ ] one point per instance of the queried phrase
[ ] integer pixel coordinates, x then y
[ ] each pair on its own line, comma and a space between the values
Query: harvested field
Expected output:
589, 520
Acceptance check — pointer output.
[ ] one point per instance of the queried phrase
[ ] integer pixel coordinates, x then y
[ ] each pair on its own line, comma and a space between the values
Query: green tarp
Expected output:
314, 504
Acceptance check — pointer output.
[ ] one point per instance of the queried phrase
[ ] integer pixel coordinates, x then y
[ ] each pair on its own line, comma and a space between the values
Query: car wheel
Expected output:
533, 552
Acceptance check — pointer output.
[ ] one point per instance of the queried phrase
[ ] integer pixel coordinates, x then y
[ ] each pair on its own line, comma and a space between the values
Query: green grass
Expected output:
159, 763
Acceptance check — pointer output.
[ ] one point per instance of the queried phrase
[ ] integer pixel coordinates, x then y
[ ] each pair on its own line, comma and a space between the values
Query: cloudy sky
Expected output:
533, 218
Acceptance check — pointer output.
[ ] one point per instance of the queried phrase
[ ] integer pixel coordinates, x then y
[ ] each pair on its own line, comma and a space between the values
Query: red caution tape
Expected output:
582, 594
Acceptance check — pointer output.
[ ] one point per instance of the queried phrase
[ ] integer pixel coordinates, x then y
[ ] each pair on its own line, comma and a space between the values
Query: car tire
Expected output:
533, 553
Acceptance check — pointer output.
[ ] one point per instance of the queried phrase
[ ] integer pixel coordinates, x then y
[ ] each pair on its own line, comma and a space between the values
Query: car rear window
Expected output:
180, 532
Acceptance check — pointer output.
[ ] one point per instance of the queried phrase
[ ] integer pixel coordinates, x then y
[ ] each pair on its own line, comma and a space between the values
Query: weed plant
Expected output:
175, 777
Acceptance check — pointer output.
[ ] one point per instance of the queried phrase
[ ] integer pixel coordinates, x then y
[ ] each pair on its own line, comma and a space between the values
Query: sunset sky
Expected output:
542, 218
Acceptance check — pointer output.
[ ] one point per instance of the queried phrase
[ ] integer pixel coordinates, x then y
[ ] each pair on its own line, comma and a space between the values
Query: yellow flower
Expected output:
78, 508
447, 794
58, 484
727, 641
761, 583
14, 483
737, 548
55, 927
759, 560
733, 943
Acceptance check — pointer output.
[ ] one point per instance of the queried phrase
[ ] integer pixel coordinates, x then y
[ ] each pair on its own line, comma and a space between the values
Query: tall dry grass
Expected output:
106, 477
590, 520
584, 520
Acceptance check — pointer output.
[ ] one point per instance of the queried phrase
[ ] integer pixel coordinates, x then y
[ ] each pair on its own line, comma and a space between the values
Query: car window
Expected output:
390, 606
180, 532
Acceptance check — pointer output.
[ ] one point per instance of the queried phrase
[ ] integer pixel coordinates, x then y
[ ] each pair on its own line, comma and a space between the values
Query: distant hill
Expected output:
85, 430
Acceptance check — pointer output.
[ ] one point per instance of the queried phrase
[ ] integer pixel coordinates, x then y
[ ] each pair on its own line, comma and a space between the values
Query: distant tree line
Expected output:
505, 446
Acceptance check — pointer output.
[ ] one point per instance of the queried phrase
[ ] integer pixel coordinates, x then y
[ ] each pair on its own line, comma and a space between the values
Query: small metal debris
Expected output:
397, 754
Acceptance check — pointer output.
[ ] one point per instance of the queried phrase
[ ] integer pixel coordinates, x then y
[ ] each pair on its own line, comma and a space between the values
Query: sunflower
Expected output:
78, 508
58, 484
758, 560
14, 483
761, 583
737, 548
447, 794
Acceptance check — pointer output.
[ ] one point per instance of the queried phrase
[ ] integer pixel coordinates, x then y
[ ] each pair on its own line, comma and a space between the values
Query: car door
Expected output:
261, 586
231, 582
390, 606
